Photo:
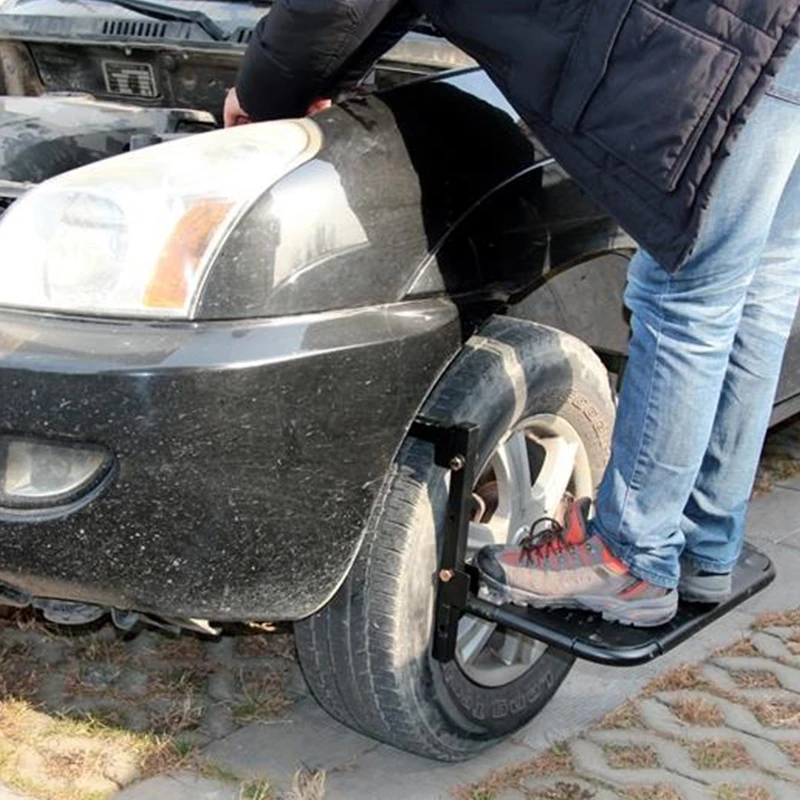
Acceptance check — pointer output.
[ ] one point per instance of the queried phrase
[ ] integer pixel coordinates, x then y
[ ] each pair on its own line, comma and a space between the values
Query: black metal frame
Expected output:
455, 448
579, 633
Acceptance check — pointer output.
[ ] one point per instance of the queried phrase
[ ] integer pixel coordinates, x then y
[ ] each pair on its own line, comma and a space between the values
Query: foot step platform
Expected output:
583, 634
588, 636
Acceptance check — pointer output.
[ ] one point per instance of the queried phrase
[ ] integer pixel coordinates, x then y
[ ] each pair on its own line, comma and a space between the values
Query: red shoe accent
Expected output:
640, 587
613, 563
575, 529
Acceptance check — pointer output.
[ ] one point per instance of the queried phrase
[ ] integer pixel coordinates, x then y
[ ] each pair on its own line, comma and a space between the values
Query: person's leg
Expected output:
683, 331
625, 561
714, 518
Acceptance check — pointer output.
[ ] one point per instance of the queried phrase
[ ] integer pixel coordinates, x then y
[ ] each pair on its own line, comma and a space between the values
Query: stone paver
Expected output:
699, 731
306, 736
361, 769
180, 787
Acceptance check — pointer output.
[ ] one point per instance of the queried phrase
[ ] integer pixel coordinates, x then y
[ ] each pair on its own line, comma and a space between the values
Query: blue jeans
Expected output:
704, 360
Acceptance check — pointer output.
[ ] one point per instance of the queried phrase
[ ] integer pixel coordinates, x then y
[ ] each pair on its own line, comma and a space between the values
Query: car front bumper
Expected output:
248, 455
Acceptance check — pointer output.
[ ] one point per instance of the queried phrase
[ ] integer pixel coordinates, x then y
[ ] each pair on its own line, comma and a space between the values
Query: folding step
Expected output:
583, 634
588, 636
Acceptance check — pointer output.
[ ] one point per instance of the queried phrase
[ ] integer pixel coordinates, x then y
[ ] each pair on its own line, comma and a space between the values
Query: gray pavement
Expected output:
360, 769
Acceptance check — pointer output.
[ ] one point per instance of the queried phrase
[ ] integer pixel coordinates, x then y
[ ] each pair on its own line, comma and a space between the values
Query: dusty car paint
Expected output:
248, 453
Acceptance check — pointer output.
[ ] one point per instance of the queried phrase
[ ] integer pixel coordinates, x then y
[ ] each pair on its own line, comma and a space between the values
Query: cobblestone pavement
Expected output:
727, 729
85, 714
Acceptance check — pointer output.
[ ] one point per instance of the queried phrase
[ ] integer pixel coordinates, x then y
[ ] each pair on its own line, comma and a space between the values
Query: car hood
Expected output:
41, 137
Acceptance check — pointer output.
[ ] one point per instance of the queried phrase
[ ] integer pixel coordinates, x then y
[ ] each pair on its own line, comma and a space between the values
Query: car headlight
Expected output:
134, 235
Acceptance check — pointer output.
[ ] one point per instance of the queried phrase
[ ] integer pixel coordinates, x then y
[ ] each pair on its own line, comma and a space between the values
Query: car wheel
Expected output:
545, 410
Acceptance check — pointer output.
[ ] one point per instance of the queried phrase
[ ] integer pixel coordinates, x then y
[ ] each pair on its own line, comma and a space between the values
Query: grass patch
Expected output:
792, 749
271, 644
59, 758
697, 711
21, 675
256, 790
562, 790
626, 717
741, 647
776, 713
658, 791
212, 771
719, 754
755, 679
729, 791
307, 784
183, 647
261, 694
793, 642
631, 756
187, 679
72, 730
555, 761
177, 716
779, 619
682, 678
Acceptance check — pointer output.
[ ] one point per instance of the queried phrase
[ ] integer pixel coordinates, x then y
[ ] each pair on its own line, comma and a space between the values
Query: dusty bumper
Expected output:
248, 455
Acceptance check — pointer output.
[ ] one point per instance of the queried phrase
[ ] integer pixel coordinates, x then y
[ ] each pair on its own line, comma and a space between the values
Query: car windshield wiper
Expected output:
172, 14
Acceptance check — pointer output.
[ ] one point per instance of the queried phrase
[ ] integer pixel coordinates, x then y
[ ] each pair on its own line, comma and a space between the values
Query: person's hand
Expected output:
320, 104
233, 114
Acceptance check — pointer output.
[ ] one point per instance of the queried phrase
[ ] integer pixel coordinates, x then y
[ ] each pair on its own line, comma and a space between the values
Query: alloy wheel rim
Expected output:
540, 461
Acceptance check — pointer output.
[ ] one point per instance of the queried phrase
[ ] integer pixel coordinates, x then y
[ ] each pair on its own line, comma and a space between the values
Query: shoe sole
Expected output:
709, 598
702, 590
649, 613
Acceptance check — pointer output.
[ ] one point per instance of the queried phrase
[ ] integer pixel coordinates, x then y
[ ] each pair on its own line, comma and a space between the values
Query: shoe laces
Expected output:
544, 544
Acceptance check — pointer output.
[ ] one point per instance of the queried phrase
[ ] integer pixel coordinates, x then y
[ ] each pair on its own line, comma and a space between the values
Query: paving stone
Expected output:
296, 684
134, 681
49, 651
137, 720
51, 690
218, 722
145, 642
180, 787
404, 776
220, 649
99, 676
774, 516
108, 633
307, 736
221, 687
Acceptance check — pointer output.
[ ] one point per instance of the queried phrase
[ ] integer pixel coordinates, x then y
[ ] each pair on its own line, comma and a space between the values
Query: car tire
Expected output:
366, 655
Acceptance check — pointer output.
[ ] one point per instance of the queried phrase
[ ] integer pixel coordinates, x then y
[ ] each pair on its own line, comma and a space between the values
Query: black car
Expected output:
213, 345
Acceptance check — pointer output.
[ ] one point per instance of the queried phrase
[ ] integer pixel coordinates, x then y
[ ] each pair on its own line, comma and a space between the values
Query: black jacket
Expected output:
639, 101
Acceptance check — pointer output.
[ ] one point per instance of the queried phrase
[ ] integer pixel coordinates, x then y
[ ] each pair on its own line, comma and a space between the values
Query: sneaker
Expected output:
698, 586
564, 567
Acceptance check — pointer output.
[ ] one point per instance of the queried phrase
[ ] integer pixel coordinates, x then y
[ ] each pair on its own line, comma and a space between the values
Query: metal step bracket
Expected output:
455, 448
580, 633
